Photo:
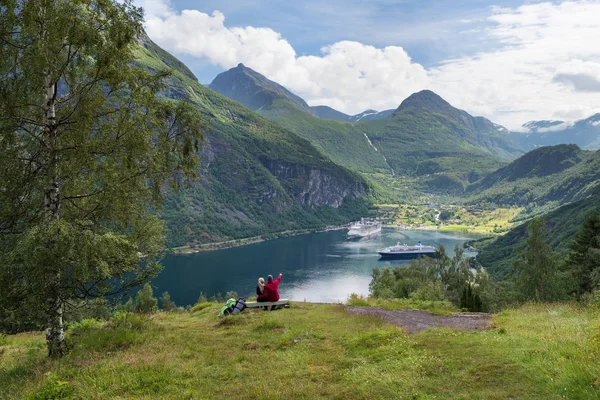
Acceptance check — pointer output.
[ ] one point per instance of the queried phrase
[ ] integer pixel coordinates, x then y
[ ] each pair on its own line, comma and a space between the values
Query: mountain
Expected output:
370, 115
255, 177
327, 112
424, 137
447, 147
562, 224
554, 175
585, 133
253, 90
336, 139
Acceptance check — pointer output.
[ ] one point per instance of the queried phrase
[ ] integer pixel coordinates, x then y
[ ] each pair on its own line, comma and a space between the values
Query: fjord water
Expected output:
316, 267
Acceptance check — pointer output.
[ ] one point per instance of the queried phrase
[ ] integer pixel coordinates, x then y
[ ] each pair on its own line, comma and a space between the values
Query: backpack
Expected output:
228, 308
239, 307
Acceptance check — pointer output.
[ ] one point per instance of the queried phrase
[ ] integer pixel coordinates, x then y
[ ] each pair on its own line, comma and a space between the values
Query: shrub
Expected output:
53, 389
145, 302
357, 300
231, 295
77, 328
167, 303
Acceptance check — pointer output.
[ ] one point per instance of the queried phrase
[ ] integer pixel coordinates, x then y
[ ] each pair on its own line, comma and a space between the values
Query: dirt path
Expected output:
418, 321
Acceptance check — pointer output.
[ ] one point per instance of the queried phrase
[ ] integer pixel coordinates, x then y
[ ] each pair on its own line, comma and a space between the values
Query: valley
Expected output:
393, 201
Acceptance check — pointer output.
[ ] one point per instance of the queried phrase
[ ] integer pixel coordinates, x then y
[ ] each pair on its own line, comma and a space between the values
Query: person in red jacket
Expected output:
271, 292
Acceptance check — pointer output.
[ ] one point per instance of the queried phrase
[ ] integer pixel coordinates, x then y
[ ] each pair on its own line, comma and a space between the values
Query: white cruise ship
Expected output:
363, 228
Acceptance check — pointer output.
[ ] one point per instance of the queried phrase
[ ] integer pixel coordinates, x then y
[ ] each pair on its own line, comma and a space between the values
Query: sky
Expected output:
510, 61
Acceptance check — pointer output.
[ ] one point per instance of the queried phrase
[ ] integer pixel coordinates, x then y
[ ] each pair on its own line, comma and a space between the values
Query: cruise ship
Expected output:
363, 228
405, 252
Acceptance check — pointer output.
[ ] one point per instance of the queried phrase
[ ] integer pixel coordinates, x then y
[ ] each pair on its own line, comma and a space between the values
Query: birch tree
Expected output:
86, 144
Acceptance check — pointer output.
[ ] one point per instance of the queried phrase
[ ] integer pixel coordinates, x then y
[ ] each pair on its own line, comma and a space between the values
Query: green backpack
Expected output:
228, 307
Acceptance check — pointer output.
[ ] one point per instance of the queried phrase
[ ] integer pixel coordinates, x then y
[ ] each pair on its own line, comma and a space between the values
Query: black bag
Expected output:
239, 307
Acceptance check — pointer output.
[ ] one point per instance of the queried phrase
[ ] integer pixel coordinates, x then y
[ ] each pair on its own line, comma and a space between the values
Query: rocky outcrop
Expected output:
313, 188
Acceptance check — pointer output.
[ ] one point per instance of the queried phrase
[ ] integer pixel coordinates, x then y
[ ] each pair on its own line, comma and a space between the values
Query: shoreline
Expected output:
229, 244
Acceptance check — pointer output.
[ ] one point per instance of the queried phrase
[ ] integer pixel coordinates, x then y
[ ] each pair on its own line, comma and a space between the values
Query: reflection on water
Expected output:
318, 267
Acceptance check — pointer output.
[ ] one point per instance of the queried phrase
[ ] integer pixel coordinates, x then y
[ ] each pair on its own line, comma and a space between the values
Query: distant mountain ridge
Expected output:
255, 91
424, 136
559, 174
585, 133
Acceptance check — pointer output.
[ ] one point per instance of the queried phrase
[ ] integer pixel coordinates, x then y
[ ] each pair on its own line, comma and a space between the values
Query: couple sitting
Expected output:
269, 291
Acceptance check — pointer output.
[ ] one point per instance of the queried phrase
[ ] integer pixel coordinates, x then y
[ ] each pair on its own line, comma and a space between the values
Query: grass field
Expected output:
310, 351
463, 219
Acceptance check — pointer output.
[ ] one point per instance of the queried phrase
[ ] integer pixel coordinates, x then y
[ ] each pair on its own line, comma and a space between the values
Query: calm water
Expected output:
318, 267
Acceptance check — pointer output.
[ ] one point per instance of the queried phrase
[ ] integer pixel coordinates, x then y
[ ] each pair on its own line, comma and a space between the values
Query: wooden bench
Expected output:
256, 304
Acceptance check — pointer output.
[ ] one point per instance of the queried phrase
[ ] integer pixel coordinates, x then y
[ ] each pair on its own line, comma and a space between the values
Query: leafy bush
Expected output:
77, 328
53, 389
87, 309
357, 300
442, 279
167, 303
231, 295
145, 302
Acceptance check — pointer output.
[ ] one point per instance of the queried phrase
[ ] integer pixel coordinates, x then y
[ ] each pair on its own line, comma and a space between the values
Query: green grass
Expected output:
313, 351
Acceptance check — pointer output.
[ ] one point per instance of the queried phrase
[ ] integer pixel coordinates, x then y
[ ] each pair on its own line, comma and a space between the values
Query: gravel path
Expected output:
418, 321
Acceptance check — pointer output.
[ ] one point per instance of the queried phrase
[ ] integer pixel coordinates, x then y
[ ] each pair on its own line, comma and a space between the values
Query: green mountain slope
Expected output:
556, 174
425, 137
256, 177
563, 223
336, 139
253, 90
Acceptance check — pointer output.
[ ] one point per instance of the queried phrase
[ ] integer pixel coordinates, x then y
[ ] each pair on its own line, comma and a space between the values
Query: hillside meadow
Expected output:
310, 351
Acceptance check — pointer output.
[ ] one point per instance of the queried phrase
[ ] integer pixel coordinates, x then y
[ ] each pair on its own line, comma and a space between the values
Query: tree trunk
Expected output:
55, 336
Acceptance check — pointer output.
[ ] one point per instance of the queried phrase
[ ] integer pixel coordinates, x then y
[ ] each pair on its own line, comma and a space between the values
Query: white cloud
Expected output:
543, 63
348, 76
518, 82
579, 75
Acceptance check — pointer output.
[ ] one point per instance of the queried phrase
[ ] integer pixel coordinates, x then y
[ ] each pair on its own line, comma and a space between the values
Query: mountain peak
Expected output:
254, 90
425, 100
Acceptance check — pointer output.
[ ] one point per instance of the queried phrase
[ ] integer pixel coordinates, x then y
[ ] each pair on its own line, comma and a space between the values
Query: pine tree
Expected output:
166, 302
584, 257
145, 302
86, 144
536, 267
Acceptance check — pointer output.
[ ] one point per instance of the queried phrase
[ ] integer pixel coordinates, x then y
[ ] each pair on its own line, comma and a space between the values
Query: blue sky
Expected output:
511, 61
430, 31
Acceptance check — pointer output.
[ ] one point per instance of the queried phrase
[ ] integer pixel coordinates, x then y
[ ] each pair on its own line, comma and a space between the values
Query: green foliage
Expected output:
99, 309
445, 215
563, 224
166, 303
86, 145
78, 328
584, 257
455, 279
145, 302
125, 307
547, 177
54, 389
536, 269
